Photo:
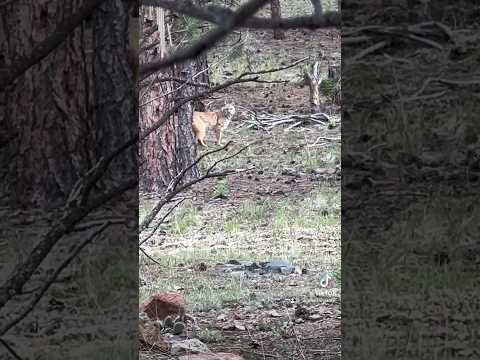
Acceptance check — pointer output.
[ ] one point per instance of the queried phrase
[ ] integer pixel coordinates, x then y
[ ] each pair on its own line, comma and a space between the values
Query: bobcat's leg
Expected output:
218, 135
200, 132
201, 137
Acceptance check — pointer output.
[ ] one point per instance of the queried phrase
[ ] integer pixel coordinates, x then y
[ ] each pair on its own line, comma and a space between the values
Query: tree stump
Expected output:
314, 75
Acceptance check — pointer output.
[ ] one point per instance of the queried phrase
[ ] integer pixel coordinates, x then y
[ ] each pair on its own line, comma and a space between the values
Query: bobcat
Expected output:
218, 120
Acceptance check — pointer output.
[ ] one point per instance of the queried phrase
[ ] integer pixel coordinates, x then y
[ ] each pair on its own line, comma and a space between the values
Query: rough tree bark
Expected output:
168, 151
203, 76
60, 117
60, 120
156, 152
334, 74
47, 111
185, 142
276, 10
117, 120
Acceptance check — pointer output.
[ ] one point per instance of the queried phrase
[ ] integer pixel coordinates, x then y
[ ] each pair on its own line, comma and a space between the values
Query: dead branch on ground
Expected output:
267, 121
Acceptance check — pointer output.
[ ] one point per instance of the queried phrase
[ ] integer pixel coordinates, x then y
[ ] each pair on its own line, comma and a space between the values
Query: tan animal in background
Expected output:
218, 121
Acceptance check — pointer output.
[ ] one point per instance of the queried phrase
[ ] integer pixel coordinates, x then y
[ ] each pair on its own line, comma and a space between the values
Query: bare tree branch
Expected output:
40, 51
268, 71
178, 80
72, 215
218, 15
207, 41
161, 221
50, 280
10, 350
148, 256
77, 208
241, 79
233, 155
172, 188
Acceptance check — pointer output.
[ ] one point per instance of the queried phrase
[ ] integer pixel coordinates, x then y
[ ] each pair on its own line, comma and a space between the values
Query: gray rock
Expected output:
228, 267
189, 345
287, 270
278, 266
233, 262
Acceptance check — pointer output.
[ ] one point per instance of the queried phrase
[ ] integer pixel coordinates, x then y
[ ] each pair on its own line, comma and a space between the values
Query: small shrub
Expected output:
221, 190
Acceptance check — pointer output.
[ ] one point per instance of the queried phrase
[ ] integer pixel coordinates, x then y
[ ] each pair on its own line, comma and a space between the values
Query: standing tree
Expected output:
66, 108
276, 10
165, 153
61, 118
157, 150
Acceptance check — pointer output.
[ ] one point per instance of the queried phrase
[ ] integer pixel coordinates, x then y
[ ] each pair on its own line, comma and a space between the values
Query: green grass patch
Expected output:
254, 211
221, 190
184, 220
144, 209
201, 293
231, 227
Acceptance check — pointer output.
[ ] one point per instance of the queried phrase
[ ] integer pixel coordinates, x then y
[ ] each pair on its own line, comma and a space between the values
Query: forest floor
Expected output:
287, 207
283, 204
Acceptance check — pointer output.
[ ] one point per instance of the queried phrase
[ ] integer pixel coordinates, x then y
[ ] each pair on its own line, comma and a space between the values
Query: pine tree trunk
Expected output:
169, 150
201, 67
157, 150
49, 110
278, 34
62, 121
157, 163
185, 149
115, 104
58, 119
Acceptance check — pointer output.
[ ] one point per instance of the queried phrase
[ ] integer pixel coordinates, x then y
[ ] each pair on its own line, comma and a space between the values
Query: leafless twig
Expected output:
218, 15
72, 215
49, 281
162, 220
148, 256
10, 350
207, 41
174, 188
